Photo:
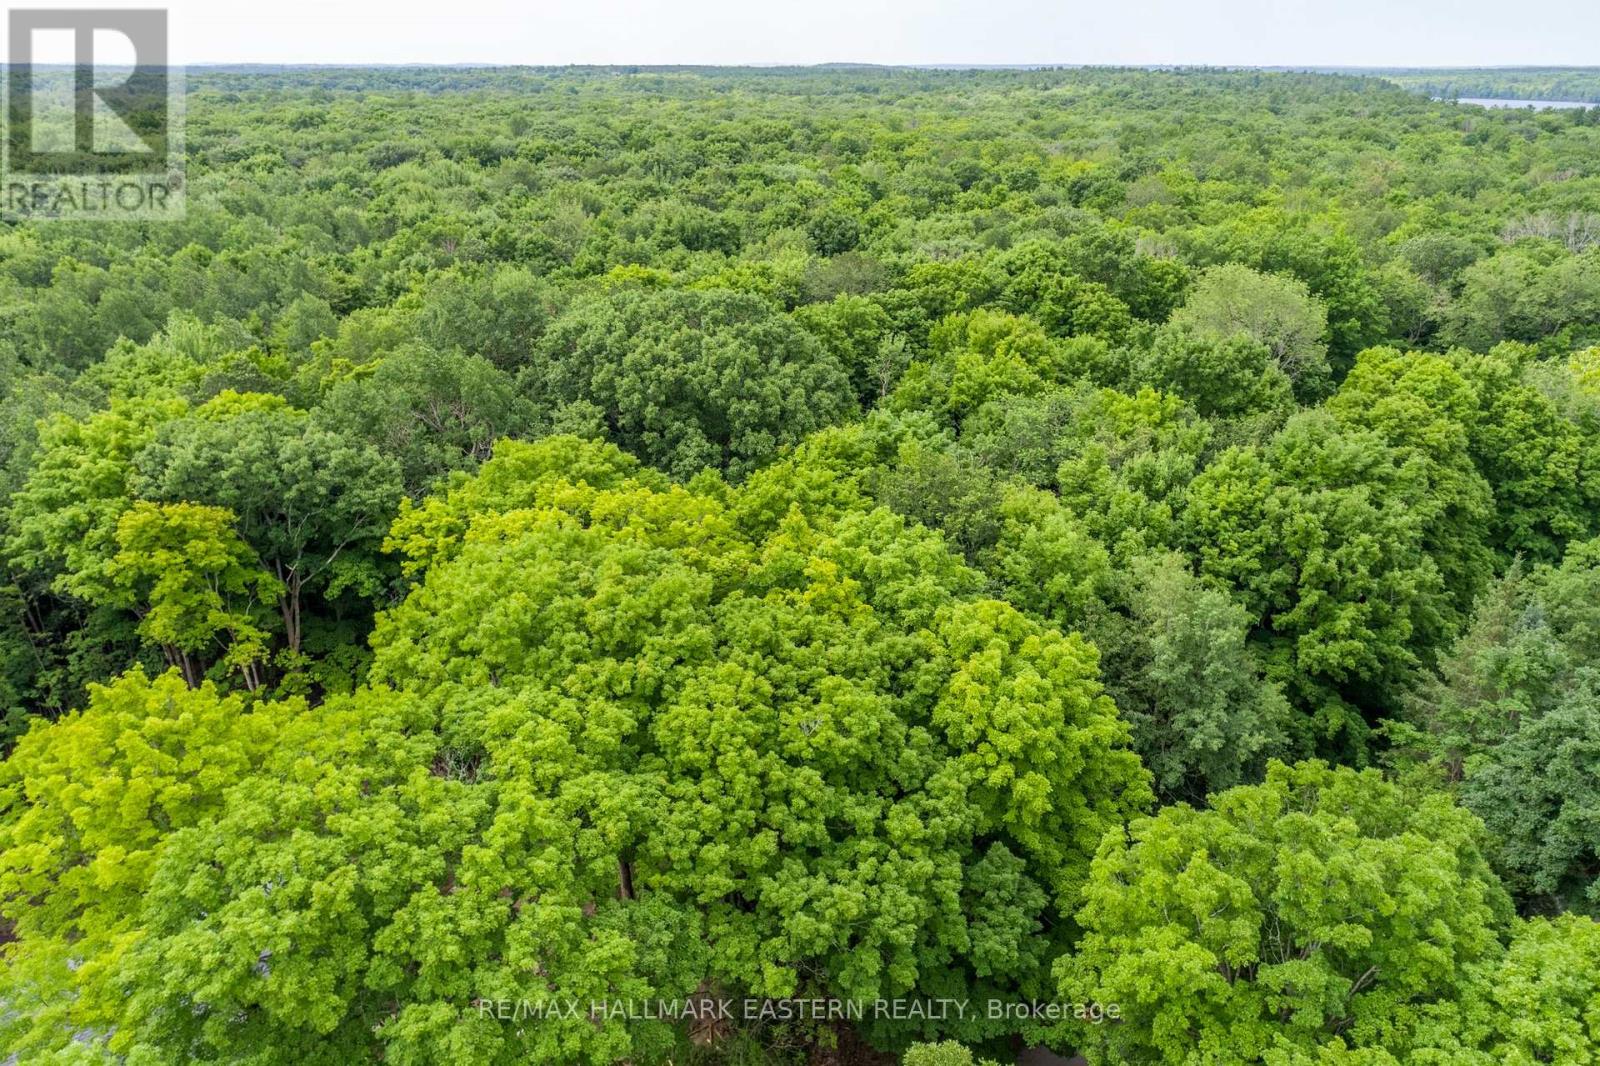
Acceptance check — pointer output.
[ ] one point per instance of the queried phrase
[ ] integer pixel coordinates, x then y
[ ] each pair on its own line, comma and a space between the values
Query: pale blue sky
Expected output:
1245, 32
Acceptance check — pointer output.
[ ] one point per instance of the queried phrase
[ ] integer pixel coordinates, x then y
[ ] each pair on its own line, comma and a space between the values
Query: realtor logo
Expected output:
93, 116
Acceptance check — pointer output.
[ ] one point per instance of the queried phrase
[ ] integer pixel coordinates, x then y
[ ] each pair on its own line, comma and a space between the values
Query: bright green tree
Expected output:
1126, 464
616, 749
87, 806
64, 518
1538, 1003
982, 356
1543, 467
1313, 911
1423, 406
198, 589
944, 1053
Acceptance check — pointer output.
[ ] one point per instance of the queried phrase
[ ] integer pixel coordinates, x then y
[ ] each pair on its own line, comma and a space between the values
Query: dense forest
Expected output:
1502, 83
1122, 544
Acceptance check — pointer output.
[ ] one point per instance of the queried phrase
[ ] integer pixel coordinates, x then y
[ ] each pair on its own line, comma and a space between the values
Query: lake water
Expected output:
1537, 105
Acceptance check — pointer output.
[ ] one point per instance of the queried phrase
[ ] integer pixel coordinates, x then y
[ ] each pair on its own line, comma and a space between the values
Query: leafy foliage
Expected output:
1314, 911
811, 763
89, 804
197, 587
1277, 313
643, 534
1512, 717
687, 379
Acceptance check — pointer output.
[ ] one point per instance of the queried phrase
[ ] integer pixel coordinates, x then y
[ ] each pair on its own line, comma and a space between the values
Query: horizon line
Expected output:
1287, 68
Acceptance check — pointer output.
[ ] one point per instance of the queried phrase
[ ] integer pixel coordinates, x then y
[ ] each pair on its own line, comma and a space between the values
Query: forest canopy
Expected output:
1118, 550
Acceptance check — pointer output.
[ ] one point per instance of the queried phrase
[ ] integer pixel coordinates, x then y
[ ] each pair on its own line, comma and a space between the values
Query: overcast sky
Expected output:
1242, 32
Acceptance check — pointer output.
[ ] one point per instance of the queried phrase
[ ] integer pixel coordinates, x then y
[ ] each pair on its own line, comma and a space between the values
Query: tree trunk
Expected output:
290, 607
192, 672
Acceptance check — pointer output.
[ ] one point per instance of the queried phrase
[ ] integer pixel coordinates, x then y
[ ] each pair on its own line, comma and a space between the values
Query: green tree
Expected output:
432, 413
1315, 249
1046, 561
64, 518
1126, 463
1534, 1004
498, 316
1204, 717
1539, 794
1320, 532
1278, 312
1042, 284
19, 665
945, 1053
1221, 375
1541, 465
312, 503
1315, 910
941, 485
1531, 292
1512, 716
687, 380
304, 322
859, 334
982, 356
673, 759
1421, 405
87, 805
1507, 665
198, 589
